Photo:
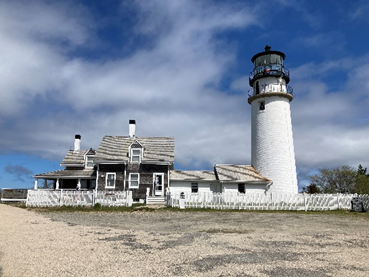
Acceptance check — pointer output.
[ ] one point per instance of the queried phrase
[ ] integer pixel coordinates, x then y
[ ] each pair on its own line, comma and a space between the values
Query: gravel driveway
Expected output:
164, 243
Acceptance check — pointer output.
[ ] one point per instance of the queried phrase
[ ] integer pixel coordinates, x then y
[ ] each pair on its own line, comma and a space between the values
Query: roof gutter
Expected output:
72, 165
109, 162
157, 162
63, 177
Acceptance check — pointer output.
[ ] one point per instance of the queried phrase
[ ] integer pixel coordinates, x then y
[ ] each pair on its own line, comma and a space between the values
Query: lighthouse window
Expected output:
262, 106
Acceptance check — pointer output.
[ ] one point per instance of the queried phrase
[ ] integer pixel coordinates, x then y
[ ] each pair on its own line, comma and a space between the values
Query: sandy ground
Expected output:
166, 243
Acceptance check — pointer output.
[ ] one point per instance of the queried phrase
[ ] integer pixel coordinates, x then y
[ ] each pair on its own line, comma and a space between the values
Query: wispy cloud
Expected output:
19, 172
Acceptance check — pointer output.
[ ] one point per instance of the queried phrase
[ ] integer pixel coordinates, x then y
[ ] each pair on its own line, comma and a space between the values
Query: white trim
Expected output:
64, 177
168, 178
97, 177
106, 179
73, 165
125, 178
86, 158
138, 181
155, 191
196, 180
157, 162
109, 162
137, 155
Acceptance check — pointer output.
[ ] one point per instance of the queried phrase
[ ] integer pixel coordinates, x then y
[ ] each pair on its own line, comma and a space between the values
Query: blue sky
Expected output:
179, 68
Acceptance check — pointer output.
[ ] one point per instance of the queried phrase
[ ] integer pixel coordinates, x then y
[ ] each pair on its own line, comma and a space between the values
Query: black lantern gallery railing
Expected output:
269, 70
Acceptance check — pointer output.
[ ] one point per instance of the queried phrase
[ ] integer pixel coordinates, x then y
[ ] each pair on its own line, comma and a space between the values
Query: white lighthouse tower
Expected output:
272, 149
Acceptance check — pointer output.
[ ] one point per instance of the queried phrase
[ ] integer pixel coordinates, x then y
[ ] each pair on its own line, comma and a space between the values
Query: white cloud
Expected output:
32, 56
331, 127
169, 87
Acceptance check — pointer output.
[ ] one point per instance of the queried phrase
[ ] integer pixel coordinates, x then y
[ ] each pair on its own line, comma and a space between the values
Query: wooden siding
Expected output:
111, 168
146, 172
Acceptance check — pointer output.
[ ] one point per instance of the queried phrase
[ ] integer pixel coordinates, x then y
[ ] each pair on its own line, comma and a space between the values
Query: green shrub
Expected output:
97, 206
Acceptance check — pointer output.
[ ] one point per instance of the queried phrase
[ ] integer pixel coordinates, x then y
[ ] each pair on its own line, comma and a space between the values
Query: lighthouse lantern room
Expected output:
272, 148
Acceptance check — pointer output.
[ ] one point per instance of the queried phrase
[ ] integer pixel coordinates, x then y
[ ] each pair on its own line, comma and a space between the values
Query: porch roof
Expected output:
192, 175
238, 173
68, 174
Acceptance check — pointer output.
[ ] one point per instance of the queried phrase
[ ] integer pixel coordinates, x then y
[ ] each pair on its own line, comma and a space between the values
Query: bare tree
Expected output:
341, 179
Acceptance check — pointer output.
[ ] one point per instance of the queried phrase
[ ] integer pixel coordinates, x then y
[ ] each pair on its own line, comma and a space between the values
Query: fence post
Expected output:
129, 198
304, 201
61, 198
338, 201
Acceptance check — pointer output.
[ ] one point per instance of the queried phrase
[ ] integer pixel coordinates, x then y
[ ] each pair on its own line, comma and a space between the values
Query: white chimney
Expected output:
132, 128
77, 143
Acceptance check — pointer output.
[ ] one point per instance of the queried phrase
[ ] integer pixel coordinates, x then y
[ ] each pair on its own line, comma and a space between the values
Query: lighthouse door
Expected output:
257, 91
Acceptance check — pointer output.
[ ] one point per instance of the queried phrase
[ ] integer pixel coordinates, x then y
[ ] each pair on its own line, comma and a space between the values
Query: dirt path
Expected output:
181, 244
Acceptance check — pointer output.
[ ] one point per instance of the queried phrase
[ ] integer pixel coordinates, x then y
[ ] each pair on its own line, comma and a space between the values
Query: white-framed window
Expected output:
194, 187
90, 161
135, 155
110, 180
134, 180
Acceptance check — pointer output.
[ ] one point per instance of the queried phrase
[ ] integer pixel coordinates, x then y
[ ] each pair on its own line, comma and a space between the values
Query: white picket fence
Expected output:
266, 201
54, 198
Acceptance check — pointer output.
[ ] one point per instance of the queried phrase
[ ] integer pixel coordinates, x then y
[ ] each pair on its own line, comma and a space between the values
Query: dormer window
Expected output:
135, 155
90, 161
89, 158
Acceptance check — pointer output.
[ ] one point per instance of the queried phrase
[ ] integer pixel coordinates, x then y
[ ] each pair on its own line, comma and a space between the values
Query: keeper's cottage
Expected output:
145, 165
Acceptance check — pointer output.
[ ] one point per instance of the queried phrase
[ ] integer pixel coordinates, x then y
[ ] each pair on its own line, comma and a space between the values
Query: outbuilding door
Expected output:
158, 184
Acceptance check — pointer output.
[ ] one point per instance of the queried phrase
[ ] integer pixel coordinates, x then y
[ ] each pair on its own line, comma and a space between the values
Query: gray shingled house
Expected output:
139, 164
135, 163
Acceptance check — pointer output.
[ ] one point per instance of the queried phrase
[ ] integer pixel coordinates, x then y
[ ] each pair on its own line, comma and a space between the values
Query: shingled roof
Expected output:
115, 148
193, 175
238, 173
76, 158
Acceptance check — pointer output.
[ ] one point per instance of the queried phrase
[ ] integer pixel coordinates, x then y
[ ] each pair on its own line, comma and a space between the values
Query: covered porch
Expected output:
66, 179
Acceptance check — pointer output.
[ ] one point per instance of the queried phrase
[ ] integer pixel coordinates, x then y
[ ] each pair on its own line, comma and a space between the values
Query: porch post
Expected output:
57, 184
124, 177
36, 183
79, 183
97, 177
168, 188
